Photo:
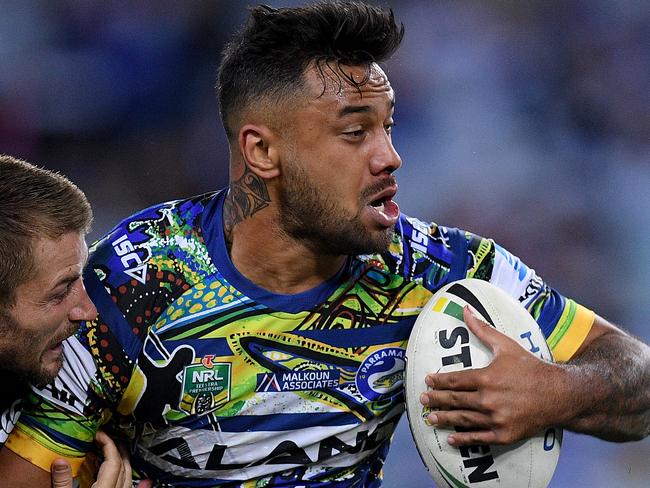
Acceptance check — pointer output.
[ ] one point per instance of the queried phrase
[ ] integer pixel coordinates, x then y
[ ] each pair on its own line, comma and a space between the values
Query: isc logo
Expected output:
134, 266
420, 239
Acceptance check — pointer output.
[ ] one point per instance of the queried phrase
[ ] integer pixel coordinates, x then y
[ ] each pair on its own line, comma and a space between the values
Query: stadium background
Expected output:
528, 122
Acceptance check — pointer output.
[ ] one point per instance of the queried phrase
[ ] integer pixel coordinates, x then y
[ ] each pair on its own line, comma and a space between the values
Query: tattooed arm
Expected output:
614, 374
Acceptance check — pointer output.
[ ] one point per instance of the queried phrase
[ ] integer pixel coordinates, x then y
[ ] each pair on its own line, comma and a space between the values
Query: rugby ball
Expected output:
441, 342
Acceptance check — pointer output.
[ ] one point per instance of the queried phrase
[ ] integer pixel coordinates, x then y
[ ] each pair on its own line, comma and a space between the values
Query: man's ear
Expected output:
257, 144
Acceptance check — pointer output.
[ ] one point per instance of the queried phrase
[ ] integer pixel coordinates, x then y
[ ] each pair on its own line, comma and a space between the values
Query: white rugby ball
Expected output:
441, 342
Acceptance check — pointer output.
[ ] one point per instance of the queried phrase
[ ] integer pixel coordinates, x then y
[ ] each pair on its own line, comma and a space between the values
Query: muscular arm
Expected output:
611, 379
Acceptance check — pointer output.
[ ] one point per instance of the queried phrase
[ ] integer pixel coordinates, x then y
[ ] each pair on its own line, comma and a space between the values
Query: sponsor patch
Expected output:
298, 380
381, 373
206, 387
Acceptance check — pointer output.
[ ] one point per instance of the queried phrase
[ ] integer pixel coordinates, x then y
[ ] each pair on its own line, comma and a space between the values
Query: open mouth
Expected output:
379, 203
384, 209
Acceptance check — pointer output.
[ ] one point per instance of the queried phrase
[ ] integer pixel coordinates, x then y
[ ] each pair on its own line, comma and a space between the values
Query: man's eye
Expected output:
355, 133
59, 297
389, 127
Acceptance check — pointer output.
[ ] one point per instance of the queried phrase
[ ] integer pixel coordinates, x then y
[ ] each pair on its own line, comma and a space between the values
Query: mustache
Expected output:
378, 187
70, 330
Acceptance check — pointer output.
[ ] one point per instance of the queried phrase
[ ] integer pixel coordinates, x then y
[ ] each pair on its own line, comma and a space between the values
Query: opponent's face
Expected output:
47, 310
337, 164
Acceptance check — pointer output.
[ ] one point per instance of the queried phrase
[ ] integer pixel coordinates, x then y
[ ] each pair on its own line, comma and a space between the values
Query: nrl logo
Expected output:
206, 386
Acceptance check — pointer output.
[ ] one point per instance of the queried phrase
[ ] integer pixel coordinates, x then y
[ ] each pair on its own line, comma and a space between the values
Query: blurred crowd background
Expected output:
527, 122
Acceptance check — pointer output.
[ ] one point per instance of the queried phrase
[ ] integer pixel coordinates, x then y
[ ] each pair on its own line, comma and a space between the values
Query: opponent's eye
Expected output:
60, 296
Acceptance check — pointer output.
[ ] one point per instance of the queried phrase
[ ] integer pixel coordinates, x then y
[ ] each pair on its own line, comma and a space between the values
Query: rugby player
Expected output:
255, 336
44, 219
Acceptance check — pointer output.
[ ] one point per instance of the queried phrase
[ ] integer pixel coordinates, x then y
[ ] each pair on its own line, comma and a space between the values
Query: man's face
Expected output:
337, 164
47, 310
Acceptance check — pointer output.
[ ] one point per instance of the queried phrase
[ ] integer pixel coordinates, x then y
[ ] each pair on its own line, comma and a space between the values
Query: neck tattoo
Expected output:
246, 196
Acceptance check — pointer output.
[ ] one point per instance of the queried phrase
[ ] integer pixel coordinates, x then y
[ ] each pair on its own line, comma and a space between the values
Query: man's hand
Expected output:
114, 472
512, 398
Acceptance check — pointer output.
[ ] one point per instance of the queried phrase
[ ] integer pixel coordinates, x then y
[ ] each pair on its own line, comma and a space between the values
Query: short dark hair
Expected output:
267, 59
34, 203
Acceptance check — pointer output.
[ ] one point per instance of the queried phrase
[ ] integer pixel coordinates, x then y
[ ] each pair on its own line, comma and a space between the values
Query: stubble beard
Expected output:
315, 218
18, 358
41, 377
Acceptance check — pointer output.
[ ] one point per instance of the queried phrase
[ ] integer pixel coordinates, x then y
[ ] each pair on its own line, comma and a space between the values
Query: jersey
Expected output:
218, 382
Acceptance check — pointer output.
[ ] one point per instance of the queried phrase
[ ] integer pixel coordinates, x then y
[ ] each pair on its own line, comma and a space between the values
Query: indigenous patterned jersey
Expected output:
221, 383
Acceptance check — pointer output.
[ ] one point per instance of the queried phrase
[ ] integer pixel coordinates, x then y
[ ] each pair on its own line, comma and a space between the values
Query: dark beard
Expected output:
15, 362
321, 224
41, 378
36, 376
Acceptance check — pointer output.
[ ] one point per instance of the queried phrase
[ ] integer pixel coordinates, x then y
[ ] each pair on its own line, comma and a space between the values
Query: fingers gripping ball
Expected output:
441, 342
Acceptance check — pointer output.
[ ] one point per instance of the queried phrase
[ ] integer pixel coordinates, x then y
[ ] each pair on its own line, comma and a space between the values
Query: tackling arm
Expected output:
114, 472
18, 473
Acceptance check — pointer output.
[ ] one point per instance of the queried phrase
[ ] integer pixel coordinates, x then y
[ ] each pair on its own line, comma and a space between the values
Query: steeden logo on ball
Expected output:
441, 342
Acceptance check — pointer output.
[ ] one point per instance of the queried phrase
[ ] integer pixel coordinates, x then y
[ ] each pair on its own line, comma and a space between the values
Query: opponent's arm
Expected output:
114, 472
18, 473
604, 391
